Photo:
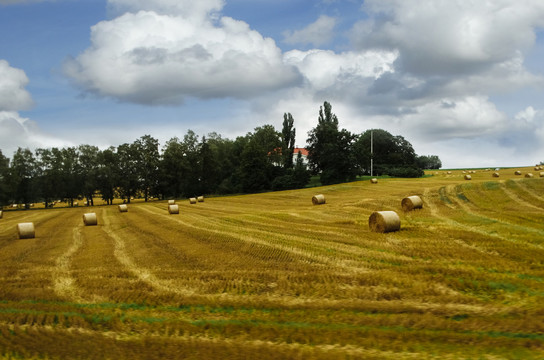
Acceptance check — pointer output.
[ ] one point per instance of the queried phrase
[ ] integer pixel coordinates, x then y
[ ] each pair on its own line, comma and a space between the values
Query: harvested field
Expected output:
272, 274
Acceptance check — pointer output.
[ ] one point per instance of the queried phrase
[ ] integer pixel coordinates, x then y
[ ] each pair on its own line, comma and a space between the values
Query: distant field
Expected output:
271, 276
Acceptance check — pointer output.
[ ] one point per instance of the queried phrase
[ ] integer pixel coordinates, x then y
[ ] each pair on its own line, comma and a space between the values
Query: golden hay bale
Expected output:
192, 200
171, 202
1, 214
374, 181
90, 219
517, 173
26, 230
318, 199
449, 173
384, 221
123, 208
541, 175
411, 202
464, 172
200, 199
173, 209
496, 174
468, 177
529, 175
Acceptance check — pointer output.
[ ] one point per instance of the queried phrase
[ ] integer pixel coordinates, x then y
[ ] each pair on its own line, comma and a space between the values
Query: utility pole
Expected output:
371, 152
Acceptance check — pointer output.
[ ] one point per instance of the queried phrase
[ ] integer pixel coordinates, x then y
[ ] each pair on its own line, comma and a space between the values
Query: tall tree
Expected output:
330, 149
392, 155
172, 168
288, 133
4, 175
22, 177
108, 164
88, 160
147, 151
128, 176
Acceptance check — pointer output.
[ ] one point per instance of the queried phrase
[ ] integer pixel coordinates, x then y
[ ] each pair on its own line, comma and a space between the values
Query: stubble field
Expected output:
271, 276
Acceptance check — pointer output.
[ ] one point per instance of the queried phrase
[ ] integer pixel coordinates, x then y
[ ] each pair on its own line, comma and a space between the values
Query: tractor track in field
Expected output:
320, 259
144, 275
63, 282
516, 198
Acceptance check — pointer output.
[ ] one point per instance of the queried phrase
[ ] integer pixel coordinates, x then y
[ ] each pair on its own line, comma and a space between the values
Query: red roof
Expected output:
302, 150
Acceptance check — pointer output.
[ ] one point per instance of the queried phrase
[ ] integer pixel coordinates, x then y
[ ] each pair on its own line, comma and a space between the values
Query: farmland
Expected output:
272, 276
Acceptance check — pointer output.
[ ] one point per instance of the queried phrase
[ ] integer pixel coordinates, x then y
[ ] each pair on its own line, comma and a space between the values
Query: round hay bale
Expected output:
449, 173
1, 214
171, 202
173, 209
90, 219
464, 172
26, 230
496, 174
411, 203
468, 177
200, 199
517, 172
541, 175
123, 208
374, 181
384, 221
192, 200
529, 175
318, 199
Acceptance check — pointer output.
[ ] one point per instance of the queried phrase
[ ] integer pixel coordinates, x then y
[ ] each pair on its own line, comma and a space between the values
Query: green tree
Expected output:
4, 176
260, 159
288, 133
392, 155
330, 149
89, 169
107, 174
172, 168
128, 171
146, 150
21, 179
429, 162
49, 176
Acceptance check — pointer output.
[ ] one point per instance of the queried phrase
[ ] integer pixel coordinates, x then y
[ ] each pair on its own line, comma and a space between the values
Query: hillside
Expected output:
274, 276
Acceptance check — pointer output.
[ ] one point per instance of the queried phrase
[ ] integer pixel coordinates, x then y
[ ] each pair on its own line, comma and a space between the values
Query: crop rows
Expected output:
275, 275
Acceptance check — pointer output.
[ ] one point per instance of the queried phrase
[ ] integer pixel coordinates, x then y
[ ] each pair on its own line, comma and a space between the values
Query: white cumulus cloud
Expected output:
154, 58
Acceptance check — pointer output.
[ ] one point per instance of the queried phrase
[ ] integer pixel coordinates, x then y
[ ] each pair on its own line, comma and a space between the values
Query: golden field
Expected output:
271, 276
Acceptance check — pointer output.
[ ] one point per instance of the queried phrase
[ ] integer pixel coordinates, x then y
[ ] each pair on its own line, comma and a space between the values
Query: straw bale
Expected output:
411, 203
26, 230
529, 175
318, 199
171, 202
374, 181
517, 172
192, 200
449, 173
468, 177
1, 214
173, 209
496, 174
123, 208
384, 221
541, 175
90, 219
200, 199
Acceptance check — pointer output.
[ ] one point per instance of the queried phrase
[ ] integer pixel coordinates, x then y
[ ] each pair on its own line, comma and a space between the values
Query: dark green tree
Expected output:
172, 168
330, 149
4, 176
146, 150
89, 168
22, 177
429, 162
108, 174
288, 133
128, 171
260, 159
392, 155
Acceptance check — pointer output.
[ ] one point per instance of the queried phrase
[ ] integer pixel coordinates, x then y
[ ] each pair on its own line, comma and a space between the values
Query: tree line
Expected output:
261, 160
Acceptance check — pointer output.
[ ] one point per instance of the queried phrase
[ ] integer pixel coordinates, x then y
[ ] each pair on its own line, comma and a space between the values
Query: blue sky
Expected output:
462, 80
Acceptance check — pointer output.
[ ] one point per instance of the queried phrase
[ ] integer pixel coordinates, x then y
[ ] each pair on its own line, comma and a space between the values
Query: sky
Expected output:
461, 79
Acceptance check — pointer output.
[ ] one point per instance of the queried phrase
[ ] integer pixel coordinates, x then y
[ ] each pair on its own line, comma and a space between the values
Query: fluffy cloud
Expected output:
13, 96
450, 37
154, 58
316, 34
